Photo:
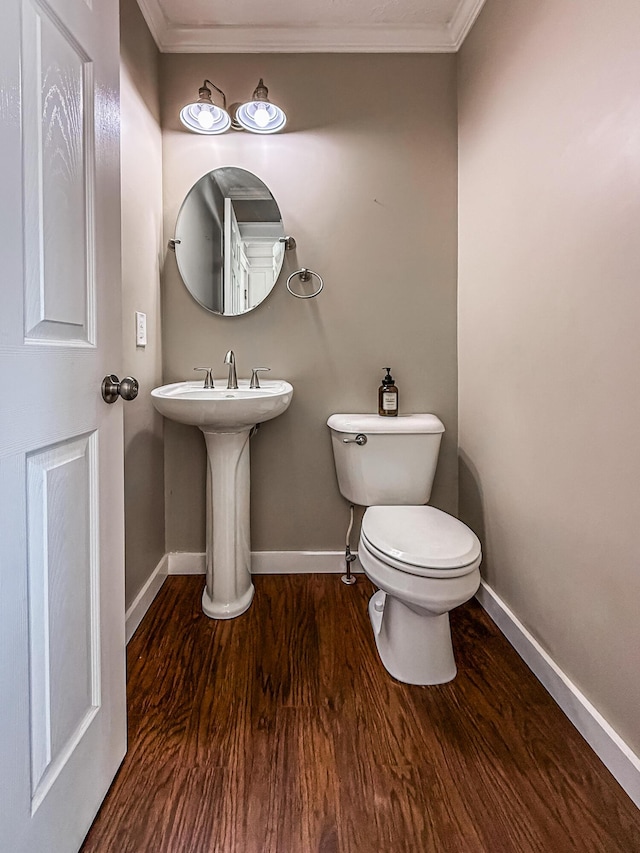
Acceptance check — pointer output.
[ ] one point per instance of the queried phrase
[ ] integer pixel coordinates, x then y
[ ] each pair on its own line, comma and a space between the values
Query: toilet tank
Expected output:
397, 463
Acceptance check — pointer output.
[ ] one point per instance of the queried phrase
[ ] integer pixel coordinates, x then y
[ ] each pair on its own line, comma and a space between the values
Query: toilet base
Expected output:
415, 648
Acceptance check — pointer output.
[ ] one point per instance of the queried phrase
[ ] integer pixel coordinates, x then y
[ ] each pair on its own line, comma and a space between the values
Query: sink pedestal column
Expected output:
229, 590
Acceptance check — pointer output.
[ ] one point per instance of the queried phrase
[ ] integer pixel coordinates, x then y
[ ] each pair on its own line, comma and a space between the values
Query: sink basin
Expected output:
223, 408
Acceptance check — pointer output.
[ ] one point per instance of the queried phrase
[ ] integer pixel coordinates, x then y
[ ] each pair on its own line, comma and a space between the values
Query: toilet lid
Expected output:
419, 537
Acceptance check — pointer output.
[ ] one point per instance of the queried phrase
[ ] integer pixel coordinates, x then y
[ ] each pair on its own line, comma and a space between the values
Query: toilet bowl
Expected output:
423, 561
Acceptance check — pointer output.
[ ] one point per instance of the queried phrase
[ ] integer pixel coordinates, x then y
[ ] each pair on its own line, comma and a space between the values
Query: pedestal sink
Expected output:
226, 417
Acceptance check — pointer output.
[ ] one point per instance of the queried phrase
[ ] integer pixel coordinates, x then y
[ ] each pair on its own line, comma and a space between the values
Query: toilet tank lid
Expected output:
408, 424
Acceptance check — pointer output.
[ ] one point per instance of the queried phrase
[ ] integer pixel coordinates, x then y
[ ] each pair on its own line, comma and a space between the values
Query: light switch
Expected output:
141, 329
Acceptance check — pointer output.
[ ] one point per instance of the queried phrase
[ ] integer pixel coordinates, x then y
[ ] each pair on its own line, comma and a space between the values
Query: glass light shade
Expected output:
259, 115
207, 118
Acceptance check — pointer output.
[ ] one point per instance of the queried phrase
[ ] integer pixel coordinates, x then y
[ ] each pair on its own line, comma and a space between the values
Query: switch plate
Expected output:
141, 329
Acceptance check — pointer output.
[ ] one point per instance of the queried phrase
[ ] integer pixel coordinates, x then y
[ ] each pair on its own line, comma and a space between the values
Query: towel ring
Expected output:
305, 275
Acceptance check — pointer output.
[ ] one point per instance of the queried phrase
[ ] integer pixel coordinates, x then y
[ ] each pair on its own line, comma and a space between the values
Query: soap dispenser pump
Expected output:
388, 396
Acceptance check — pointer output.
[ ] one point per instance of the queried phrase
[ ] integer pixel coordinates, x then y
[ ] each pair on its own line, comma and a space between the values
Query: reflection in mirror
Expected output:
228, 241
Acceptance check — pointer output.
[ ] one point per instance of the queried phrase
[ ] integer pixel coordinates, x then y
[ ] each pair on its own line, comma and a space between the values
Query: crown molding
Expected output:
368, 39
463, 20
172, 38
156, 19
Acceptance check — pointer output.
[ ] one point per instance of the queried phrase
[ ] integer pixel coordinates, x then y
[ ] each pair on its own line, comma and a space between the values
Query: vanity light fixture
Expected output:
203, 116
258, 115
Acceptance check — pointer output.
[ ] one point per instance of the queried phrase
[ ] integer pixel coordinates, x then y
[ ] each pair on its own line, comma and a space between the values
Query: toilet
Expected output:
423, 561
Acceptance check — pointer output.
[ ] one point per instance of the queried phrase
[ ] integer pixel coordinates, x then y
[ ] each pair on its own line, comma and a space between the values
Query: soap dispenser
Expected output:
388, 396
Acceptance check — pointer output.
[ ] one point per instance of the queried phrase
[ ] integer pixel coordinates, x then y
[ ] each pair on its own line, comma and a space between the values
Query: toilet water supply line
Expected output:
348, 556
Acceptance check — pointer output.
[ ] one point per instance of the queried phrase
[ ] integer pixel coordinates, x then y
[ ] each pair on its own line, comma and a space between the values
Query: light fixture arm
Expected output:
219, 91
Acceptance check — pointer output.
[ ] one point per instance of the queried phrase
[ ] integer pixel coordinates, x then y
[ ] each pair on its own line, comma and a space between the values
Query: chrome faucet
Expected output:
230, 359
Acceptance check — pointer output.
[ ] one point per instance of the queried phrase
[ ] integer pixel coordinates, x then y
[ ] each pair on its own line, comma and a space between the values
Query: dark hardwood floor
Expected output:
281, 732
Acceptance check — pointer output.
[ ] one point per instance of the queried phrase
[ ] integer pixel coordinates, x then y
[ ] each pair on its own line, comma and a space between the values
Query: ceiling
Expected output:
310, 26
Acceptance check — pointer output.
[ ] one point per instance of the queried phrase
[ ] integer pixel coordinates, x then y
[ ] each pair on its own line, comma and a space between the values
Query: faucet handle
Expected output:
208, 379
255, 381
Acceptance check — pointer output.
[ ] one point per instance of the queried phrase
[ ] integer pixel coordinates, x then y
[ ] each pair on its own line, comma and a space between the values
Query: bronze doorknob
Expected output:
112, 387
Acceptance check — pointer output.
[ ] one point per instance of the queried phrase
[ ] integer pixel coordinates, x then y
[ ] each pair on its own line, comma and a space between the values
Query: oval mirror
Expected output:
228, 241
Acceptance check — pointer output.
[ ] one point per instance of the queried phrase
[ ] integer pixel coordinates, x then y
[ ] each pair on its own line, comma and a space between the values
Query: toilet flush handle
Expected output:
360, 439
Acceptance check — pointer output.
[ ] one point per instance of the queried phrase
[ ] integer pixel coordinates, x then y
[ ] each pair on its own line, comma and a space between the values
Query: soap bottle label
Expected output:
389, 401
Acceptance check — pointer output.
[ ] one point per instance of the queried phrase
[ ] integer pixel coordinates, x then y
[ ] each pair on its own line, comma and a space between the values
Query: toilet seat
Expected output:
420, 540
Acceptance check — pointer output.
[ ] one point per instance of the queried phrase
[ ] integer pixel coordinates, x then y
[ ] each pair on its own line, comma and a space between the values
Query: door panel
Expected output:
64, 637
62, 664
59, 190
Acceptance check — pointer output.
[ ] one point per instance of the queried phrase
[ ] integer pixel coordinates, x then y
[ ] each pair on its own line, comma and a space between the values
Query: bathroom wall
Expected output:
141, 157
549, 350
365, 177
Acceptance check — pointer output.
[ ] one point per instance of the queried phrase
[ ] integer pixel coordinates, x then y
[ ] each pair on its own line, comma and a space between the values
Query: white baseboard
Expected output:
300, 563
270, 563
143, 600
186, 563
621, 761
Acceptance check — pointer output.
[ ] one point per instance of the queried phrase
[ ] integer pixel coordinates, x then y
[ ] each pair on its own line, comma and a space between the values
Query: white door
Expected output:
236, 294
62, 685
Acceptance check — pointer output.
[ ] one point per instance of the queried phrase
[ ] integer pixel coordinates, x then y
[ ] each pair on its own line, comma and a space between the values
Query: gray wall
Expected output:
141, 158
365, 177
549, 349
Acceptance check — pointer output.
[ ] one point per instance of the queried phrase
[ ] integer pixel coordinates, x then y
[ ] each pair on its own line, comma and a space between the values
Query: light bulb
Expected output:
205, 118
261, 115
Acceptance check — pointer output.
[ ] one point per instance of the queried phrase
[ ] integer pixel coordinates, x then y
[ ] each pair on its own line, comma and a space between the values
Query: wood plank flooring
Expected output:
281, 732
